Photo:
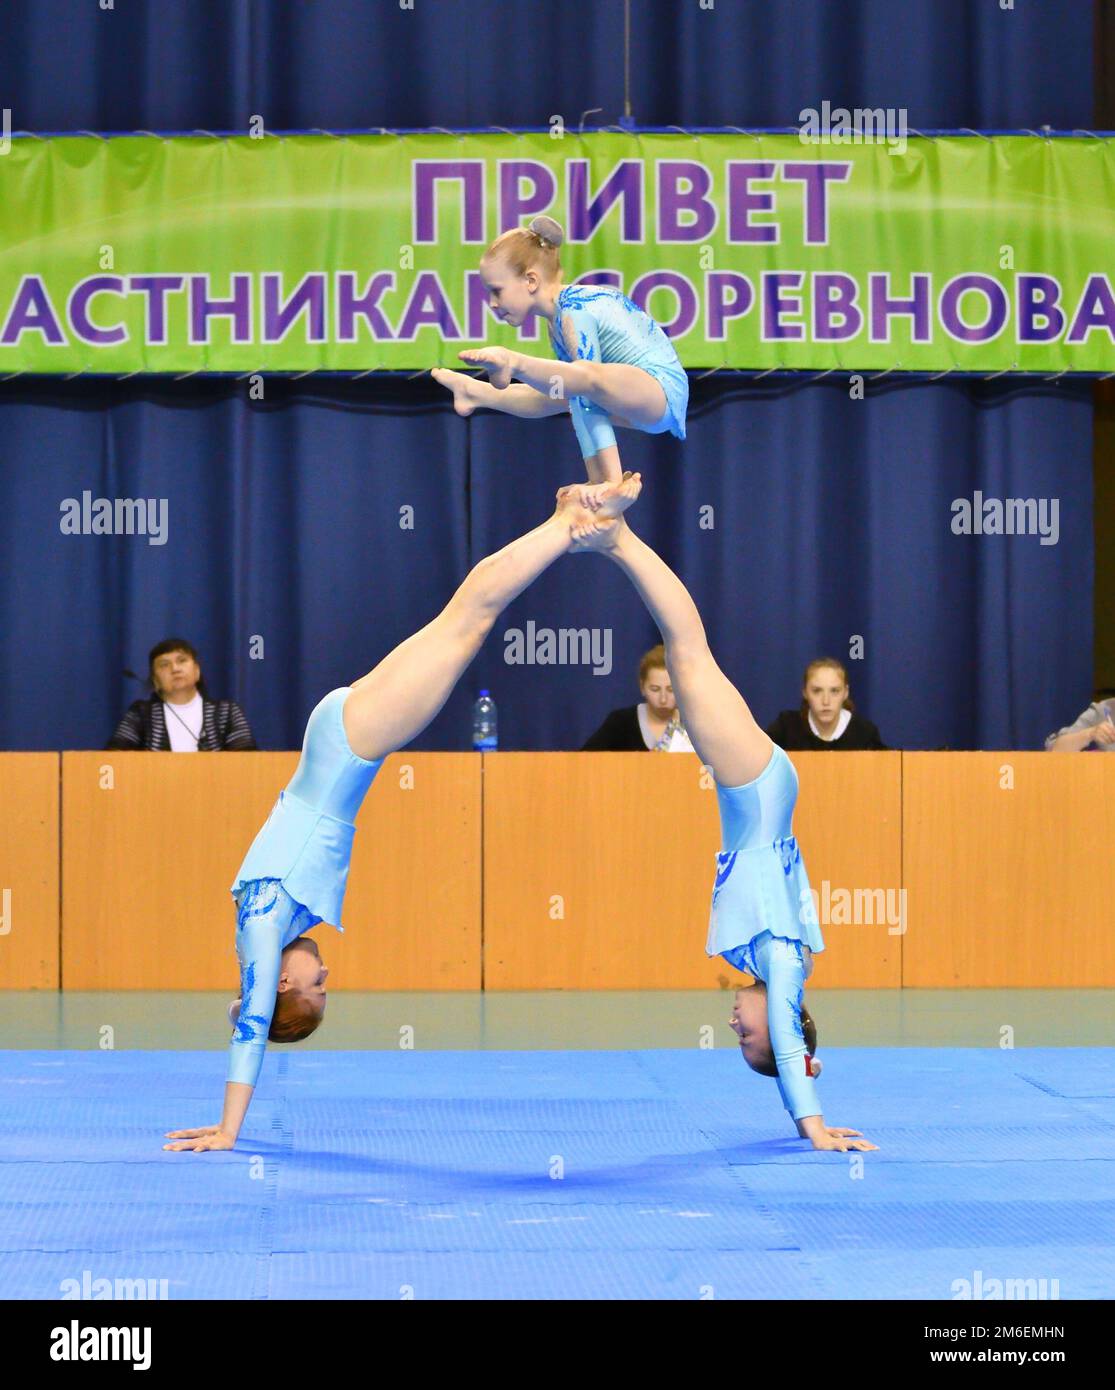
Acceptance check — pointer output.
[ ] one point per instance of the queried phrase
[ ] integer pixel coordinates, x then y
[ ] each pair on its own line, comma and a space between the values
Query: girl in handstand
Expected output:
615, 364
762, 920
294, 874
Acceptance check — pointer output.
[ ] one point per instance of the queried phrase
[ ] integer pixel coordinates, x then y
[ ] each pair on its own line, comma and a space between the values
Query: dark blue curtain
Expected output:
830, 517
832, 520
180, 64
801, 519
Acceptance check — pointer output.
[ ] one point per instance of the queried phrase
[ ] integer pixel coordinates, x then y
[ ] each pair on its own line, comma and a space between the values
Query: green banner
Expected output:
356, 253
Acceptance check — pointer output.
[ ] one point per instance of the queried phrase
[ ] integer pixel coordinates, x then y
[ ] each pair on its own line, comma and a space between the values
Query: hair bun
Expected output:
547, 229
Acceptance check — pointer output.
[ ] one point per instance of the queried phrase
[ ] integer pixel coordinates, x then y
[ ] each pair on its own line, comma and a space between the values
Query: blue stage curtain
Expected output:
800, 518
831, 516
346, 64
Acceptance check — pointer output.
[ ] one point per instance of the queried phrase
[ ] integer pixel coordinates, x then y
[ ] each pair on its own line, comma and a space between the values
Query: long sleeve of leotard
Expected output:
592, 422
259, 948
785, 983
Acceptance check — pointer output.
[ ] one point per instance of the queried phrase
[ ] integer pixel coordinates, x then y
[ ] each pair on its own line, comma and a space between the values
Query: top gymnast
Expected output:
295, 872
615, 364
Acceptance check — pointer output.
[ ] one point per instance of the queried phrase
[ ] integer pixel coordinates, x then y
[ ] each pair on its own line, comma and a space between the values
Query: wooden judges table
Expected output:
520, 871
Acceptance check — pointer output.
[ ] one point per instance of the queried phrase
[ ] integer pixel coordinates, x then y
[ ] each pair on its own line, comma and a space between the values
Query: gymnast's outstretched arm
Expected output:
785, 982
261, 920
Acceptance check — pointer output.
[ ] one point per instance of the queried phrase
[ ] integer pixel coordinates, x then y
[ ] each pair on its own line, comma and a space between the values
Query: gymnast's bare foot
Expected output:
573, 513
604, 499
599, 519
463, 388
612, 499
496, 361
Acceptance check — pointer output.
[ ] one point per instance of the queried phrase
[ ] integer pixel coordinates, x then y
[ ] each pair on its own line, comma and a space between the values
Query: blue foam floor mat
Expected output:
630, 1175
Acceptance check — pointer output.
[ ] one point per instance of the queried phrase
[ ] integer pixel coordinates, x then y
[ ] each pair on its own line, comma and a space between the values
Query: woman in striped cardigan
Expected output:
179, 716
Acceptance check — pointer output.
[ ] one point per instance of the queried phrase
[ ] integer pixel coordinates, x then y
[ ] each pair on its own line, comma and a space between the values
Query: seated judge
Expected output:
653, 725
1094, 730
179, 716
827, 717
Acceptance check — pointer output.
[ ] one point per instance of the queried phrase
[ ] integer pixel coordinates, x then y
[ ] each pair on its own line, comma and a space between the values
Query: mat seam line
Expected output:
265, 1226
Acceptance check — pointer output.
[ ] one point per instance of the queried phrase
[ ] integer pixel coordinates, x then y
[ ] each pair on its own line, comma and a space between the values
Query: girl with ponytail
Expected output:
615, 365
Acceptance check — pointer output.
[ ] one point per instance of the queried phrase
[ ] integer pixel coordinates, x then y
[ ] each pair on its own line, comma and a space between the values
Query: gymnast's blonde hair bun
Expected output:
547, 230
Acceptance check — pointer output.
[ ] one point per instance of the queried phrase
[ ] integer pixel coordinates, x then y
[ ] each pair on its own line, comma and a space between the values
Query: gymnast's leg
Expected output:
602, 465
394, 702
523, 401
715, 715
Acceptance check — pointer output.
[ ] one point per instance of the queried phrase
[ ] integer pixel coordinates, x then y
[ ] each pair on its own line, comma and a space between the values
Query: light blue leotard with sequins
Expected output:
610, 327
295, 872
763, 916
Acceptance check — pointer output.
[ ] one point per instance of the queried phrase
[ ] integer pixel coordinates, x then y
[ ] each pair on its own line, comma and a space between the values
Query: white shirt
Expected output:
679, 739
191, 714
841, 724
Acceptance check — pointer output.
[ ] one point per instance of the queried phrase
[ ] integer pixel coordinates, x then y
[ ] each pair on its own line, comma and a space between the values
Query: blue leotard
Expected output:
762, 918
611, 328
295, 872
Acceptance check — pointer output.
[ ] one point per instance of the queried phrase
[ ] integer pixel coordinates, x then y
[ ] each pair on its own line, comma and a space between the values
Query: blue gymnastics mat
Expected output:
619, 1175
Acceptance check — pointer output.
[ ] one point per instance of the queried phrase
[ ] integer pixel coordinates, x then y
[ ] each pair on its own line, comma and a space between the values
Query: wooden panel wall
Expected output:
598, 869
564, 870
1009, 869
152, 843
29, 917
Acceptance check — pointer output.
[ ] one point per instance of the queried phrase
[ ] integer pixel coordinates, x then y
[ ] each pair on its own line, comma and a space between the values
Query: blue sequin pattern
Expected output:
725, 863
788, 852
268, 919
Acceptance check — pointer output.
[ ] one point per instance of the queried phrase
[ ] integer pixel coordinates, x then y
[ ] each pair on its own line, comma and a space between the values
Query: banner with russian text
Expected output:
360, 252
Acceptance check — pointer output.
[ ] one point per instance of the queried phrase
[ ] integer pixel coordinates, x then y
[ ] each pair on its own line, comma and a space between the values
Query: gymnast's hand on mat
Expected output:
496, 361
198, 1140
828, 1137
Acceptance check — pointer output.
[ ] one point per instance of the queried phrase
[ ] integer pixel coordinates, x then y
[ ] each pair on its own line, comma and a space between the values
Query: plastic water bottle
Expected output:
484, 729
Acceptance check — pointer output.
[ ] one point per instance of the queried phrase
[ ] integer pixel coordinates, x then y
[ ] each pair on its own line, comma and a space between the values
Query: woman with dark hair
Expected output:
654, 725
179, 716
827, 717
